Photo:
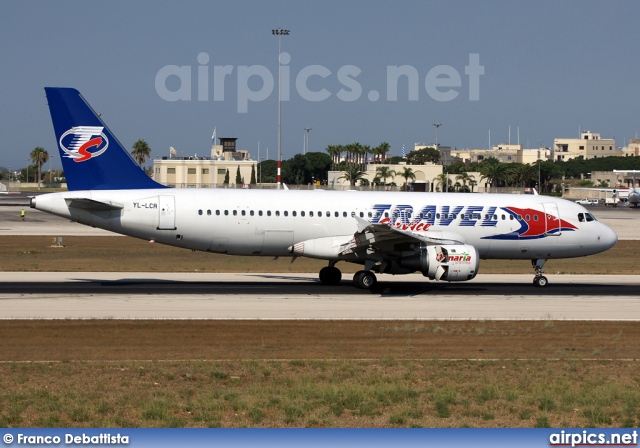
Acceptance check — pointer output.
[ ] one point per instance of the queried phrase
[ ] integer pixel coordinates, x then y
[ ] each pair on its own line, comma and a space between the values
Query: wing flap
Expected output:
369, 234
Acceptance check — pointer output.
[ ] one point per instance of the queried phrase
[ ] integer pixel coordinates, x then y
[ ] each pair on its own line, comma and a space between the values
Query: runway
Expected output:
301, 296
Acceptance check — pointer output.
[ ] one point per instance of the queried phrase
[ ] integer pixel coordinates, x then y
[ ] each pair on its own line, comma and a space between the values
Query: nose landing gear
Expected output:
539, 280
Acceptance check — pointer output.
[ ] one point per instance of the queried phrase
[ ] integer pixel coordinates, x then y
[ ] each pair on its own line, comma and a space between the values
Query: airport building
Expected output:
589, 146
207, 171
504, 152
632, 148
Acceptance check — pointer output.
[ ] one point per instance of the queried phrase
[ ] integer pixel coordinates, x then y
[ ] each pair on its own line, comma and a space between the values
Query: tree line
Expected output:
352, 159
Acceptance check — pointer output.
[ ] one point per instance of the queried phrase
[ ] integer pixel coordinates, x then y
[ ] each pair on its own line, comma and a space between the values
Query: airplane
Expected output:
441, 235
634, 193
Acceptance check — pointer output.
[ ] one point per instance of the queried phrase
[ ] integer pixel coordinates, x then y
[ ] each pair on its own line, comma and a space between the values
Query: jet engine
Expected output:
452, 263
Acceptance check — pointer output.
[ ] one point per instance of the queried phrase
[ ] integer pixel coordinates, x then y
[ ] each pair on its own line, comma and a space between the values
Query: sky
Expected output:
354, 71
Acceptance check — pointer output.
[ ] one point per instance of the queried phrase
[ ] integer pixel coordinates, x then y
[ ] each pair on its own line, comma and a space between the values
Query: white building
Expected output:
505, 153
589, 146
206, 172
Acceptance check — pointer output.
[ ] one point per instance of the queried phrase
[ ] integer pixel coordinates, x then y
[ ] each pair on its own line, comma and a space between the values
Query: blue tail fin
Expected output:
92, 158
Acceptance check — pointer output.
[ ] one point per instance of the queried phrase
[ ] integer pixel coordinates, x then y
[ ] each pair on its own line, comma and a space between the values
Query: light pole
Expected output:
437, 125
260, 172
279, 32
27, 170
306, 141
446, 180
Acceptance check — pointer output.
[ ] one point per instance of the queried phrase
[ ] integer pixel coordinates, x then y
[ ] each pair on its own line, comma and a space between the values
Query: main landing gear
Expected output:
330, 275
365, 279
539, 280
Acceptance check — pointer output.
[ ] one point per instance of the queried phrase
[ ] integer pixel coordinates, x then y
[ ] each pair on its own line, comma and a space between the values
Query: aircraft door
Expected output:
551, 219
167, 210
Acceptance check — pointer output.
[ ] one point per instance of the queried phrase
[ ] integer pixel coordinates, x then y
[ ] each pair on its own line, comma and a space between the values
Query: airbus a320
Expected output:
442, 236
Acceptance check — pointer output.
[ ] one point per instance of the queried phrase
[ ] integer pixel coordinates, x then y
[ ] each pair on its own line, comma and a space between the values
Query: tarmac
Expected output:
99, 295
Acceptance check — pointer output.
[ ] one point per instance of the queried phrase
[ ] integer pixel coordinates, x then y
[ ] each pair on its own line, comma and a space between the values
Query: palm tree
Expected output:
384, 172
494, 172
407, 173
383, 148
140, 151
353, 174
472, 183
334, 151
442, 180
522, 173
464, 177
39, 156
366, 149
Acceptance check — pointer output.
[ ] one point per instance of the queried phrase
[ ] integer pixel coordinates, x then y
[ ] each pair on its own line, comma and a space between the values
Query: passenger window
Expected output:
226, 213
369, 214
286, 213
495, 217
209, 212
344, 214
235, 213
259, 212
199, 212
302, 213
386, 214
528, 218
217, 212
511, 217
535, 217
328, 214
504, 217
277, 212
268, 212
311, 214
251, 212
437, 215
337, 214
353, 214
362, 214
244, 212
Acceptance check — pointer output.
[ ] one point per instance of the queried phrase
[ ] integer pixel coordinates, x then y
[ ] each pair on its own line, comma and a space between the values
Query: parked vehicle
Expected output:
585, 201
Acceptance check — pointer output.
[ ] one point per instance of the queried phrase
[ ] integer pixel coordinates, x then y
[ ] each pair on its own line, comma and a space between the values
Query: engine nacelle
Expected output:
452, 263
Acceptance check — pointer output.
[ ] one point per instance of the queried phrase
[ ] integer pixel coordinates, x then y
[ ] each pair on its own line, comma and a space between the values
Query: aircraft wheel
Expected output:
330, 276
541, 281
365, 279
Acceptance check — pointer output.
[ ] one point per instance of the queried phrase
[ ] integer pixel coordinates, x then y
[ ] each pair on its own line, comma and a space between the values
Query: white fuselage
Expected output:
270, 223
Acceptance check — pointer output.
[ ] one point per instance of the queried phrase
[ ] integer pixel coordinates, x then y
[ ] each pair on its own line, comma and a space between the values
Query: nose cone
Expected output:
607, 238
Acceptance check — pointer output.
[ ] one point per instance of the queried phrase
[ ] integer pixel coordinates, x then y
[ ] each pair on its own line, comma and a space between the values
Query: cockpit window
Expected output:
588, 217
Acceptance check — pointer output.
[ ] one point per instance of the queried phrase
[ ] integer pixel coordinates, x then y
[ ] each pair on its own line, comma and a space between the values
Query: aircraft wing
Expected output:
371, 234
93, 205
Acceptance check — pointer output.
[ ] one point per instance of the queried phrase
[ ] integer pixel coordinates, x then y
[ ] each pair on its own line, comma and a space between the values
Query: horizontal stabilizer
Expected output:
93, 205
